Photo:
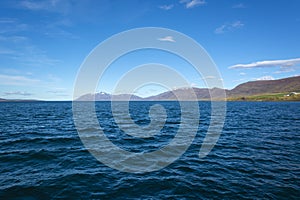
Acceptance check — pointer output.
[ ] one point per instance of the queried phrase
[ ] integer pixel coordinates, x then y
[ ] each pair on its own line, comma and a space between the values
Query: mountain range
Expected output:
286, 89
254, 90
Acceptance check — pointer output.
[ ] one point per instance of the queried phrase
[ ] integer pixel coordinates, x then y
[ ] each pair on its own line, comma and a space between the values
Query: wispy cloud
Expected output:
192, 3
6, 51
20, 50
56, 28
12, 25
237, 24
19, 93
33, 56
7, 20
239, 80
240, 5
268, 63
17, 80
45, 5
57, 91
167, 7
60, 29
242, 73
13, 39
167, 39
284, 70
229, 27
53, 78
264, 78
220, 29
31, 5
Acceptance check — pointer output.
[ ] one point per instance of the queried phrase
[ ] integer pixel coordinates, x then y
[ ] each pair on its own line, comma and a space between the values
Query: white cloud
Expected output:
268, 63
167, 39
229, 27
264, 78
166, 7
242, 73
193, 3
17, 80
18, 93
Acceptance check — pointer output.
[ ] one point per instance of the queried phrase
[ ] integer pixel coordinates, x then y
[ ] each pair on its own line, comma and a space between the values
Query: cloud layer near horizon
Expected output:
18, 93
268, 63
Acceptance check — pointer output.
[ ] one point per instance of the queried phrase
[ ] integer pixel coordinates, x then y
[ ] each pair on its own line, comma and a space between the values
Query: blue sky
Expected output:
43, 43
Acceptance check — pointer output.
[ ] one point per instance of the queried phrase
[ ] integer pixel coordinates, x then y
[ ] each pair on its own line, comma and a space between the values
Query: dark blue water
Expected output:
257, 155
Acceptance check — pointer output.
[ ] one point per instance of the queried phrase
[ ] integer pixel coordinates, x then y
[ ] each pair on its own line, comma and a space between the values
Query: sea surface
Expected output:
256, 157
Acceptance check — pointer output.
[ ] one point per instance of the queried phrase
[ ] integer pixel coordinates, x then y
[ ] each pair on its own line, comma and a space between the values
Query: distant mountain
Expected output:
102, 96
18, 100
185, 94
248, 89
285, 85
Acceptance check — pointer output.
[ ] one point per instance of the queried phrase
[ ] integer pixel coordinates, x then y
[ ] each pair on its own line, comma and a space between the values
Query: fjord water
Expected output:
257, 155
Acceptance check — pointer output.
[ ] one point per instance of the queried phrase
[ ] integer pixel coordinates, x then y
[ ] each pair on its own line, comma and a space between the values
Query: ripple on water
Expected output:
256, 157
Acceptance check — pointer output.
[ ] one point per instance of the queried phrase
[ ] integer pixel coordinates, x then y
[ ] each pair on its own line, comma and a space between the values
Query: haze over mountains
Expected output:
251, 88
